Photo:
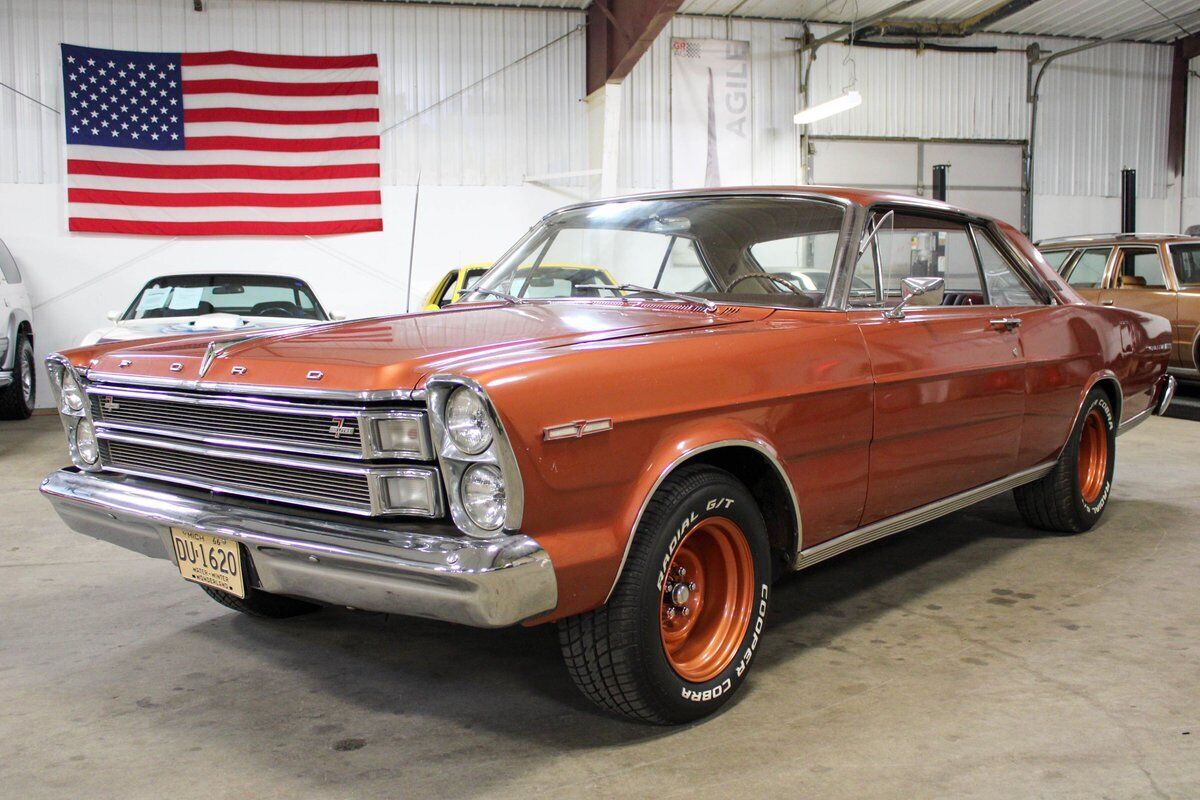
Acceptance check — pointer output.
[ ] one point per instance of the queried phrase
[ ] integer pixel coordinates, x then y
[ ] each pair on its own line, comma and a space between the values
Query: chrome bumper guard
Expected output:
487, 583
1167, 395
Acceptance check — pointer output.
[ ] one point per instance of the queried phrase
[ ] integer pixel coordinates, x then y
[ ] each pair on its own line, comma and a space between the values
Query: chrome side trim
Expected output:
918, 516
377, 395
1137, 419
760, 448
415, 569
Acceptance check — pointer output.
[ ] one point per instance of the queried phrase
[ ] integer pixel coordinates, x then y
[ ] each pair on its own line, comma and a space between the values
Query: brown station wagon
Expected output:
1154, 272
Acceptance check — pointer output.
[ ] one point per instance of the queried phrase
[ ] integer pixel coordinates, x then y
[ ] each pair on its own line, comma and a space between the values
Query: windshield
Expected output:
770, 250
244, 295
1187, 263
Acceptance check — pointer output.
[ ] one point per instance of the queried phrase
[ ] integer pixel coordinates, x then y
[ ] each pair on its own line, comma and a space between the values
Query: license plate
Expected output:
209, 560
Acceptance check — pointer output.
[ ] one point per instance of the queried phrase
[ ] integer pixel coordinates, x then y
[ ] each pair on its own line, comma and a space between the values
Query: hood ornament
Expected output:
209, 356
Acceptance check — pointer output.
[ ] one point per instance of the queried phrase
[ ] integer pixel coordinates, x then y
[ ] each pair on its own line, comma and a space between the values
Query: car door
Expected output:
1086, 272
949, 379
1137, 280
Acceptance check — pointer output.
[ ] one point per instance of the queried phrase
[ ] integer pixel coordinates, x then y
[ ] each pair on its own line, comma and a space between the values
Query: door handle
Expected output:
1106, 302
1005, 323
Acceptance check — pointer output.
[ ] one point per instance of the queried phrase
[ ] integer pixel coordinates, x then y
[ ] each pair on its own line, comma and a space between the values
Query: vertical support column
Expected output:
604, 138
940, 172
1128, 200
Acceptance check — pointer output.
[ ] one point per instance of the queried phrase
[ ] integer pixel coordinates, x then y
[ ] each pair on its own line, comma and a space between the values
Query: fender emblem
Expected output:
576, 430
237, 371
315, 375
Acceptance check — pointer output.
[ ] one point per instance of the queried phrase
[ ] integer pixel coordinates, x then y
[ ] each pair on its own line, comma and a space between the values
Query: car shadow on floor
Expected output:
512, 681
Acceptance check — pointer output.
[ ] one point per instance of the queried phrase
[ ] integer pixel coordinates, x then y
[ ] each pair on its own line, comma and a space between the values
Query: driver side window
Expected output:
919, 246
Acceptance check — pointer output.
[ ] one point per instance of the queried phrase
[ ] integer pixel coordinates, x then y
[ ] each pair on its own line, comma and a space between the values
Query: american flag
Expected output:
219, 144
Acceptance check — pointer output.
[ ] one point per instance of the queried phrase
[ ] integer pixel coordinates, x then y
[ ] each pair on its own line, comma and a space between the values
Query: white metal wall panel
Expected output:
526, 120
1191, 159
1101, 109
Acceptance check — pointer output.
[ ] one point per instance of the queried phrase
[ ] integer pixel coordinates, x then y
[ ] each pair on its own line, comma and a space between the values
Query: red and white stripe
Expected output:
275, 145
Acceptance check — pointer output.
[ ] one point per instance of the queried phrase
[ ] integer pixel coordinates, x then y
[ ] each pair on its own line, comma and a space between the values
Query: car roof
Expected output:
845, 194
1063, 242
241, 276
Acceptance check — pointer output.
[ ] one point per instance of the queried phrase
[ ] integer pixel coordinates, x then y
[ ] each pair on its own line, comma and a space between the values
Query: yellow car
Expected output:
456, 283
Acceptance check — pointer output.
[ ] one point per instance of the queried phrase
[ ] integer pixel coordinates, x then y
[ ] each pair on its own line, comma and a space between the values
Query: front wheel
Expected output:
1071, 498
16, 399
676, 639
258, 603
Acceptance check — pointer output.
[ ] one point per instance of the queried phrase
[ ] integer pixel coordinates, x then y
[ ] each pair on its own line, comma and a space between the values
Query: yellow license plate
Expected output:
209, 560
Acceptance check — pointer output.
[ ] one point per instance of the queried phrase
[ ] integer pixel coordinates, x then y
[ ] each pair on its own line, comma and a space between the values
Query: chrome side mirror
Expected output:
918, 292
337, 316
113, 316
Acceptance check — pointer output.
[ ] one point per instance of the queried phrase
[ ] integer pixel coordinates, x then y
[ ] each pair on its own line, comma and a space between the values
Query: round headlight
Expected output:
85, 442
483, 496
467, 422
72, 394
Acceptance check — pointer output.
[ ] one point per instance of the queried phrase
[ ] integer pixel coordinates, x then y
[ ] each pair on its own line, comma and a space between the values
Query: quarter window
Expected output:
1141, 268
1187, 263
1088, 270
1056, 258
1004, 285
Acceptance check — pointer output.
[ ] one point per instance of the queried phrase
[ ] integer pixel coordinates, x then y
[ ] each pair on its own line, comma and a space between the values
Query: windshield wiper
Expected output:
633, 287
511, 298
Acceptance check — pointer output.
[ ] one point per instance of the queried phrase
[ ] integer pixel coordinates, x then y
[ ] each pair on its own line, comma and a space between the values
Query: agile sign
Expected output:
710, 113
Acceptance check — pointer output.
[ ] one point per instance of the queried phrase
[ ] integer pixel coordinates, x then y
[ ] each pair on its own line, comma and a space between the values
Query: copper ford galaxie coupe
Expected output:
783, 375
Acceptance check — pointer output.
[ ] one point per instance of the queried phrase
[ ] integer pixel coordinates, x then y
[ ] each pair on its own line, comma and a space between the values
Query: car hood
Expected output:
389, 353
217, 323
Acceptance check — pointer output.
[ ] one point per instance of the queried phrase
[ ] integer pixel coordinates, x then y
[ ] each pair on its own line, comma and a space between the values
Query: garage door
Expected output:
983, 176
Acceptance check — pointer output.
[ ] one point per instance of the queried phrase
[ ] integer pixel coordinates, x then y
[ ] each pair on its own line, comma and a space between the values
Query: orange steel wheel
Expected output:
707, 599
1093, 456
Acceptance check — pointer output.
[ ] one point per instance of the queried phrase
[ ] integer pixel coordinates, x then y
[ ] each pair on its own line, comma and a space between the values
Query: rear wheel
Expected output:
258, 603
16, 399
1071, 498
677, 636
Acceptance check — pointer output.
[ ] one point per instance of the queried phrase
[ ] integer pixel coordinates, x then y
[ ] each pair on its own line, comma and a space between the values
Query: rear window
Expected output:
1186, 258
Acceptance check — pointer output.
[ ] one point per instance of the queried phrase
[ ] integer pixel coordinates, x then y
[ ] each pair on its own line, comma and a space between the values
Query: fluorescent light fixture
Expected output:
837, 105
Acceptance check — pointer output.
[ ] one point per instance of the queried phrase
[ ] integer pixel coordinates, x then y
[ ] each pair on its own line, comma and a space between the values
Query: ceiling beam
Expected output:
619, 32
956, 28
1183, 51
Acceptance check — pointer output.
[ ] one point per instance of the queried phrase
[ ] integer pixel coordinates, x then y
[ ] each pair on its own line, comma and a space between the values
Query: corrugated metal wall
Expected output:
527, 120
1101, 110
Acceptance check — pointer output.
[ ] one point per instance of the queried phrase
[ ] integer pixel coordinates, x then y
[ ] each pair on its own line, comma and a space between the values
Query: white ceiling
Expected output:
1081, 18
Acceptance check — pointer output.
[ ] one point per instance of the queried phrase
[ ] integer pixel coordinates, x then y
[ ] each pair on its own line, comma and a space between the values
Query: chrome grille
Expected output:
337, 430
333, 490
303, 450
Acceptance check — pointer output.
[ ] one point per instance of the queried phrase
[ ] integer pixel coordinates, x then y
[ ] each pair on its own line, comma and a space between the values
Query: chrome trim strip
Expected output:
375, 476
364, 419
377, 395
760, 448
416, 569
1137, 419
917, 516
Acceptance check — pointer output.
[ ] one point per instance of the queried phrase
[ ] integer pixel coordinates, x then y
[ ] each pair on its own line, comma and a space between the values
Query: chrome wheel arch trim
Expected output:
1093, 382
762, 449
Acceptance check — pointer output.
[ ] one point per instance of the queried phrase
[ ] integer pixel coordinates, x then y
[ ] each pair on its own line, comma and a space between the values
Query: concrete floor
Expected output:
970, 658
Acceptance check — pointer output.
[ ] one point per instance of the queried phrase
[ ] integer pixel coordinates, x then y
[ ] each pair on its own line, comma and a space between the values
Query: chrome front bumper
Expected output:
6, 378
488, 583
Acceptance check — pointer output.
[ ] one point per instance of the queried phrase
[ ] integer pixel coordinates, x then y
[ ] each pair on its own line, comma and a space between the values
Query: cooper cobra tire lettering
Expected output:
618, 654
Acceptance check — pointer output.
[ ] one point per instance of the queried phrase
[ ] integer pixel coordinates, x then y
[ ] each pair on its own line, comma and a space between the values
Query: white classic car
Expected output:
180, 304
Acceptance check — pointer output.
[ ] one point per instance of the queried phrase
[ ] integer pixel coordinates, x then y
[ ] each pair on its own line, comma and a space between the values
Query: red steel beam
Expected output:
619, 32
